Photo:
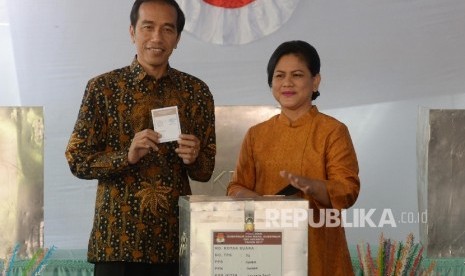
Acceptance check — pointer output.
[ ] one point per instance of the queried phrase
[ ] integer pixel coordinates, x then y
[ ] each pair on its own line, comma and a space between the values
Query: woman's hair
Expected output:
180, 20
303, 50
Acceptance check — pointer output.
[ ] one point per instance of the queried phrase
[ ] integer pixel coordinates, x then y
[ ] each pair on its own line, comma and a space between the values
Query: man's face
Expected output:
155, 36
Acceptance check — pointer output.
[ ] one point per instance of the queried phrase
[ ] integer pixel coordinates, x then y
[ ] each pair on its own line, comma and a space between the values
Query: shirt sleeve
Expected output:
87, 153
204, 120
244, 175
342, 183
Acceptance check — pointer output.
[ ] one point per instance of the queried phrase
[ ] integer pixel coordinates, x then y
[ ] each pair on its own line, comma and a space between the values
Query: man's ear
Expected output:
132, 32
177, 41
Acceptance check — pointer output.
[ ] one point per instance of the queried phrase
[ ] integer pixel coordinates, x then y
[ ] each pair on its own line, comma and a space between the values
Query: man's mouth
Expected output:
155, 49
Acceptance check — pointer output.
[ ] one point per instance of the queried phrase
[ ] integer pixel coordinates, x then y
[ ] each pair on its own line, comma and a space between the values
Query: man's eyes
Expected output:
167, 29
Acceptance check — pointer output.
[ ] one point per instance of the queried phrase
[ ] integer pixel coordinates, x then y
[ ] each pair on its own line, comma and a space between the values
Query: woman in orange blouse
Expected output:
308, 149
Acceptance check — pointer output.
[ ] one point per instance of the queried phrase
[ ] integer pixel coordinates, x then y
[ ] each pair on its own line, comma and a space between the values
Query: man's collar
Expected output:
139, 73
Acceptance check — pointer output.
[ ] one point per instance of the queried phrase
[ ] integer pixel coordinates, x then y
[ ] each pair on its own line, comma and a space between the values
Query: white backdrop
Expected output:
381, 61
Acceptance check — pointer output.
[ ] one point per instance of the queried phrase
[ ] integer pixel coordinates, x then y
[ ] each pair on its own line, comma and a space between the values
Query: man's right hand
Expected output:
142, 143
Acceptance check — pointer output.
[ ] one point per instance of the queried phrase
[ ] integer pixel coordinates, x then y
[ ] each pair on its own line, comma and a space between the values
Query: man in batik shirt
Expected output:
135, 230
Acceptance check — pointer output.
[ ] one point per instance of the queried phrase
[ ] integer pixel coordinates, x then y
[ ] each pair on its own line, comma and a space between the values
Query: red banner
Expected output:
229, 4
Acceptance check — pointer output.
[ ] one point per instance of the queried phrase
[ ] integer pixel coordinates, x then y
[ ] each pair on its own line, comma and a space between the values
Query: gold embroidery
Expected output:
153, 196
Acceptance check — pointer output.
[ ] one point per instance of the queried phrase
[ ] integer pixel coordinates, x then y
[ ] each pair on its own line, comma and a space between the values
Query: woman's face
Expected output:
293, 84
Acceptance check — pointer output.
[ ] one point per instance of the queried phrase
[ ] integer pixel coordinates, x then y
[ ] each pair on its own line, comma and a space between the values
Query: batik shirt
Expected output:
136, 209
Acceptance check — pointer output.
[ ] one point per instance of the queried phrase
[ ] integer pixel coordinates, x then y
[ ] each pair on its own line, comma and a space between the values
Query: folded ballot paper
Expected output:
166, 122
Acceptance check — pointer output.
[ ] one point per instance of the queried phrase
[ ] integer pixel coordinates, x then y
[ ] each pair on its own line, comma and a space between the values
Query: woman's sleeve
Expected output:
343, 183
244, 174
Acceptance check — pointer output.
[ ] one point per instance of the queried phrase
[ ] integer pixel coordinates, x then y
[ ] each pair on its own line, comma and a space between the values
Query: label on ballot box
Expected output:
247, 253
222, 236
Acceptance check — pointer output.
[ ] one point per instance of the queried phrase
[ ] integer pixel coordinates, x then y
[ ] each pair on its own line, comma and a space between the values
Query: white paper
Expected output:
247, 253
166, 122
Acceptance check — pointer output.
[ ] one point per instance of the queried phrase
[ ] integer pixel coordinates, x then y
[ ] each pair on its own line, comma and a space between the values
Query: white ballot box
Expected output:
228, 236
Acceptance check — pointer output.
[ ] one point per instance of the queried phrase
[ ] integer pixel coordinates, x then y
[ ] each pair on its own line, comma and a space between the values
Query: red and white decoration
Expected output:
230, 22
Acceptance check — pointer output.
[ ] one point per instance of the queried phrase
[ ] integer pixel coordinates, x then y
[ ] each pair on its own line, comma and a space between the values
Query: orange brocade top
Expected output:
316, 146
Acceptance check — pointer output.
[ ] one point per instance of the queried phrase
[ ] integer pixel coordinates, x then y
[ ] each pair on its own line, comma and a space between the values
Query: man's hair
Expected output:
180, 20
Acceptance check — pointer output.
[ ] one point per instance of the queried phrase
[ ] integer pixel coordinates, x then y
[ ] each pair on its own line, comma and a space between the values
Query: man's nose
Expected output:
156, 35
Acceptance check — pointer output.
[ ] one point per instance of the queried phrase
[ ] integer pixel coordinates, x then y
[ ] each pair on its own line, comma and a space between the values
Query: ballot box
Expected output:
222, 236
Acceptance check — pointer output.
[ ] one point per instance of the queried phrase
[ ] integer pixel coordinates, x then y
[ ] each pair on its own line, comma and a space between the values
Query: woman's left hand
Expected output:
311, 187
299, 182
